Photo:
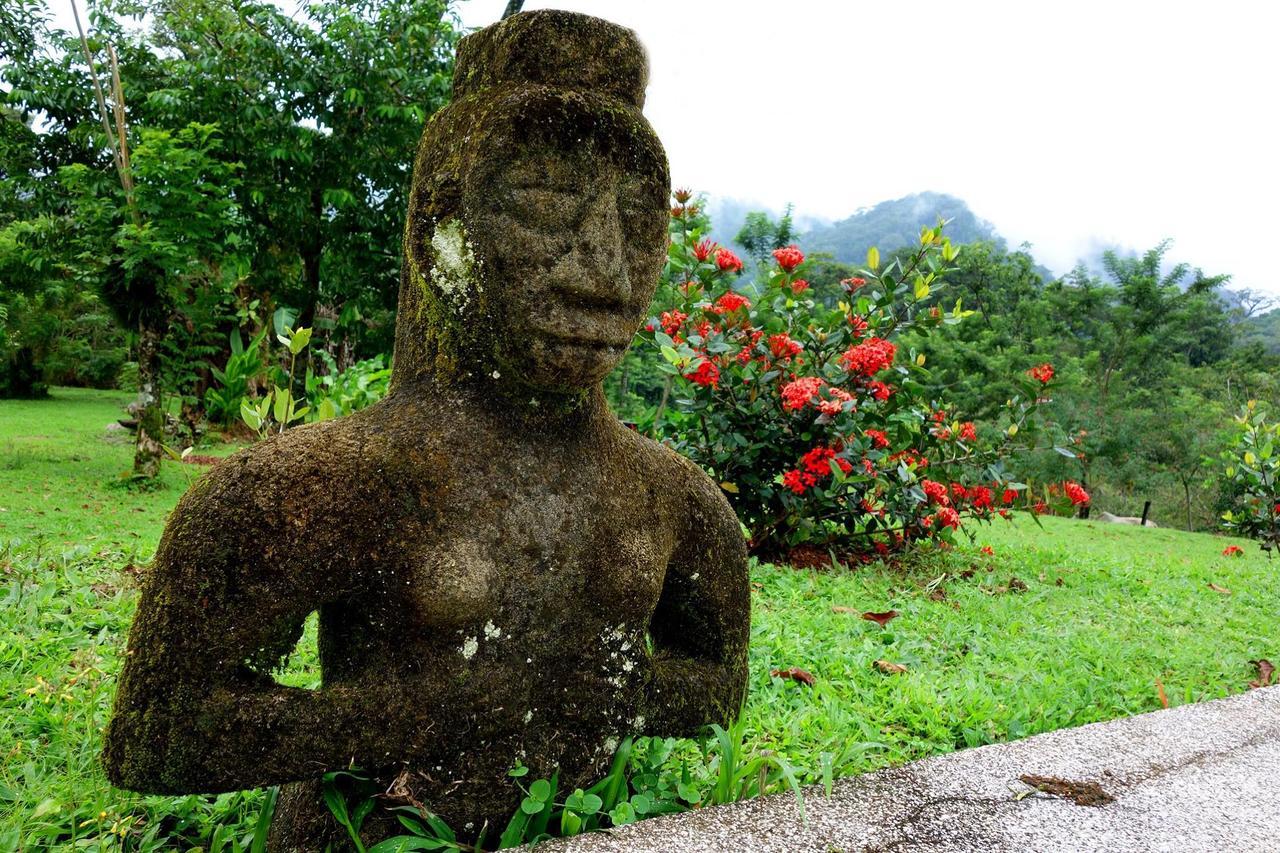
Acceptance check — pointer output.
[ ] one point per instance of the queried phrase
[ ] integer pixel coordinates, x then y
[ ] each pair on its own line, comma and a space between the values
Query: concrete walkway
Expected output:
1200, 777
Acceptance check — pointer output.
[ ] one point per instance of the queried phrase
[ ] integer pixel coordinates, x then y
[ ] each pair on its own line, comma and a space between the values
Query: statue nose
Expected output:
601, 251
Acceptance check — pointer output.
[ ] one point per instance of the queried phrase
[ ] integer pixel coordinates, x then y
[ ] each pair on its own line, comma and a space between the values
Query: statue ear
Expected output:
433, 199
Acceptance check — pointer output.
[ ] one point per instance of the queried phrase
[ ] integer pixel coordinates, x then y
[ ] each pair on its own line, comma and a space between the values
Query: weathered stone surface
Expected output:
1197, 777
503, 572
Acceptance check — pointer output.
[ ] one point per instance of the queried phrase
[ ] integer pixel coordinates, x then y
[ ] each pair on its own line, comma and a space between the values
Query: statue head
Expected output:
537, 216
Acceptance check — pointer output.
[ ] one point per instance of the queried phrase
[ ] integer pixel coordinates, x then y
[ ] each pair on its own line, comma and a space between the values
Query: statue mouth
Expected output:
586, 339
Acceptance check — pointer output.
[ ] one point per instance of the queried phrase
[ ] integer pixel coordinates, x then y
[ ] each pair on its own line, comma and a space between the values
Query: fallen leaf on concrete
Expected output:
1081, 793
889, 668
1164, 700
881, 619
1265, 671
1221, 589
795, 673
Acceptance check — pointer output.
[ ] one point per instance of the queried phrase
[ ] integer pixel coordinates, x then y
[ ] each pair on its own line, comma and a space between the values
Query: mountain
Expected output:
893, 224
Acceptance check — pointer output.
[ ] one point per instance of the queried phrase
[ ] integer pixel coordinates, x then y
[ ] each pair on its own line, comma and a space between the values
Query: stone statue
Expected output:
503, 573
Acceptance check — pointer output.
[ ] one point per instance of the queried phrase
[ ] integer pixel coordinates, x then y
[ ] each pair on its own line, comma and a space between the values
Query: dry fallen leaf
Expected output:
889, 667
1164, 700
1016, 585
1082, 793
840, 608
795, 673
1221, 589
881, 619
1265, 670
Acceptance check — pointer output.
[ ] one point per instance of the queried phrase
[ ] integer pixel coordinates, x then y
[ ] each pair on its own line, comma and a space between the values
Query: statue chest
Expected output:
565, 559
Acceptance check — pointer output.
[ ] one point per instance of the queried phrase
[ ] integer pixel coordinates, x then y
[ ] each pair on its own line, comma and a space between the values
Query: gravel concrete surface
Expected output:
1202, 777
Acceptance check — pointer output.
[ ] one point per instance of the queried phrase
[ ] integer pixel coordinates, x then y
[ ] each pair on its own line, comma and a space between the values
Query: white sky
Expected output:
1067, 125
1064, 124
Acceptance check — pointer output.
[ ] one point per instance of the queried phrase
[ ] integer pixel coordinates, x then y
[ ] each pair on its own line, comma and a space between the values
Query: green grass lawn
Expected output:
1099, 614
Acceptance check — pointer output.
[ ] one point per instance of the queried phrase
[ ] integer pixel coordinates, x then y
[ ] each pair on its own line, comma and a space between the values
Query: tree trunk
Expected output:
150, 437
1186, 488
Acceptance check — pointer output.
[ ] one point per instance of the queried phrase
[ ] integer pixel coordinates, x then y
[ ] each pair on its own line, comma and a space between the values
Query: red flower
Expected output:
986, 549
835, 405
968, 432
683, 194
649, 327
880, 391
727, 261
672, 321
782, 346
857, 325
706, 374
816, 461
799, 286
730, 302
1233, 551
959, 491
1043, 373
1009, 496
949, 517
935, 492
878, 438
868, 357
981, 497
789, 257
797, 393
853, 284
703, 249
1039, 507
1076, 493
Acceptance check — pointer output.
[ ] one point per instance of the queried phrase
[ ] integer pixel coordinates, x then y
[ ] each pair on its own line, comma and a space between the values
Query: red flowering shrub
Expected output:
819, 427
1252, 466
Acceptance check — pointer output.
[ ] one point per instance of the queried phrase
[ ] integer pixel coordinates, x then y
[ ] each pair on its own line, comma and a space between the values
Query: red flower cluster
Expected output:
815, 465
968, 432
857, 325
1076, 493
878, 438
1233, 551
727, 261
797, 393
782, 346
868, 357
706, 374
853, 284
730, 302
879, 390
935, 492
789, 257
703, 249
837, 397
1043, 373
672, 321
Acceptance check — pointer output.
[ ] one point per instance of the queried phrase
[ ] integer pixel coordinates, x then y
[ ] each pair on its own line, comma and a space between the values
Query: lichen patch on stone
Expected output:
454, 270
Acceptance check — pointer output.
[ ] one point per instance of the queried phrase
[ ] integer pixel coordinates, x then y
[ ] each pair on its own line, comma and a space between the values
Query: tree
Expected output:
760, 235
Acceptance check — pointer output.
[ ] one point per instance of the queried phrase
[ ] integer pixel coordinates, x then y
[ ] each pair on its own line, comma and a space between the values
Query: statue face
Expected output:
572, 243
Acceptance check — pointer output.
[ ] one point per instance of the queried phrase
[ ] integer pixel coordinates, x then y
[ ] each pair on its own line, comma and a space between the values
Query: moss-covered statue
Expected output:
503, 572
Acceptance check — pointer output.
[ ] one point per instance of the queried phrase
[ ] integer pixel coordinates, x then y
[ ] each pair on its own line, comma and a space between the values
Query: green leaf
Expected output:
873, 259
921, 288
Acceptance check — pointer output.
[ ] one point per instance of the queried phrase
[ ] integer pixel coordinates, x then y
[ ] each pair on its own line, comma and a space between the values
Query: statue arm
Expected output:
196, 708
701, 625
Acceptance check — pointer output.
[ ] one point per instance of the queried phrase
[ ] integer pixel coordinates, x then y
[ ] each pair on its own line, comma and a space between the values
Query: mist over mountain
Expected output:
893, 224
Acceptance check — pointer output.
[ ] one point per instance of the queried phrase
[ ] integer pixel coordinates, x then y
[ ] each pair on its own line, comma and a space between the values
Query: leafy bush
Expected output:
243, 369
821, 430
1253, 475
